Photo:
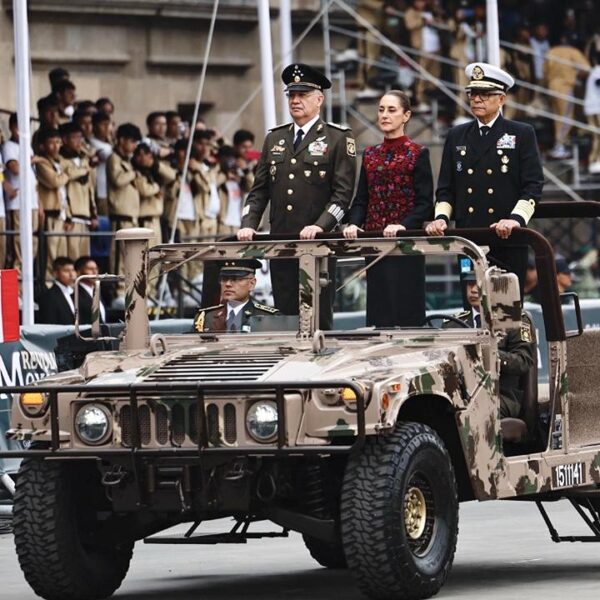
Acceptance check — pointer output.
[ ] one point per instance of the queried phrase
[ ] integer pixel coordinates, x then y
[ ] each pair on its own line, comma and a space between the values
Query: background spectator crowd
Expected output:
90, 175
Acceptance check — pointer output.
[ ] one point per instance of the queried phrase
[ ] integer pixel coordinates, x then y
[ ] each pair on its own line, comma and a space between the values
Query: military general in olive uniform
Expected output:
234, 314
491, 171
516, 351
306, 170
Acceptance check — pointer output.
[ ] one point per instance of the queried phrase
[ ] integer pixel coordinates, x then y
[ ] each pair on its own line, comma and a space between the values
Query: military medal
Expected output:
273, 170
307, 173
322, 174
504, 169
505, 159
458, 167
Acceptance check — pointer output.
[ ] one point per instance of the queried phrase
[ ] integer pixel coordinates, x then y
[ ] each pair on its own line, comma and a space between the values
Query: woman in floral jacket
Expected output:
395, 192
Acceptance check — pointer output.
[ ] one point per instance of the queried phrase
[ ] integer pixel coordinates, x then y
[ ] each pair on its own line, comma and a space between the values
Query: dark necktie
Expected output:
298, 139
231, 321
484, 130
477, 320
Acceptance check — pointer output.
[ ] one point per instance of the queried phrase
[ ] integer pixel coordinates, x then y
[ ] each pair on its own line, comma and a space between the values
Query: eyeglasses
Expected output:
483, 95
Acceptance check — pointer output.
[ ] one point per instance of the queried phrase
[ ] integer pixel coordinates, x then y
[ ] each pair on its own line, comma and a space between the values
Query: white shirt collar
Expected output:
90, 293
306, 127
490, 124
67, 291
236, 307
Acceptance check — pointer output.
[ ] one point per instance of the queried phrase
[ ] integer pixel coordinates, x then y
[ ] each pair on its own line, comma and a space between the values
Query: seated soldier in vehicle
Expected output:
236, 280
516, 351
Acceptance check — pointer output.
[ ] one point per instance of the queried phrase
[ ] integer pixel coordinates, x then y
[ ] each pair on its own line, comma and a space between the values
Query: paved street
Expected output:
504, 551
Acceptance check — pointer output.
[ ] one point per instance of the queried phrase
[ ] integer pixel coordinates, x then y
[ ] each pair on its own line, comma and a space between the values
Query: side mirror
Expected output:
579, 330
97, 279
504, 301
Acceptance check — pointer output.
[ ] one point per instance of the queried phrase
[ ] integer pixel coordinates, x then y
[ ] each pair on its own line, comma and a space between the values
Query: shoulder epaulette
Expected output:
269, 309
212, 307
337, 126
279, 127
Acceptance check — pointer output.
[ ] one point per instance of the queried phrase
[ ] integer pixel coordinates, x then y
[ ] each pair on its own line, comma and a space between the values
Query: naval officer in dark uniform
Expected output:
491, 171
237, 280
306, 170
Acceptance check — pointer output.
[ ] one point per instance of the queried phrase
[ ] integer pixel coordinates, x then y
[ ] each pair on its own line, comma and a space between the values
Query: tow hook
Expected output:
114, 477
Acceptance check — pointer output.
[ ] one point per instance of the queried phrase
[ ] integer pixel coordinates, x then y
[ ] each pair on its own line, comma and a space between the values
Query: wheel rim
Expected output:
419, 514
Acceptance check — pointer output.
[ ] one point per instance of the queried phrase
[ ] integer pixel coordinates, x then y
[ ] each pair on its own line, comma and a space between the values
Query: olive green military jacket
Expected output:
214, 318
312, 185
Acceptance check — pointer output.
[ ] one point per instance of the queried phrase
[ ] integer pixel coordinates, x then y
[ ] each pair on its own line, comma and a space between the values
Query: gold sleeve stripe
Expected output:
525, 209
443, 208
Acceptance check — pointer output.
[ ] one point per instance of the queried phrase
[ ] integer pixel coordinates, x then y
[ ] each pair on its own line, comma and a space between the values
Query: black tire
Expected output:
330, 556
409, 468
59, 541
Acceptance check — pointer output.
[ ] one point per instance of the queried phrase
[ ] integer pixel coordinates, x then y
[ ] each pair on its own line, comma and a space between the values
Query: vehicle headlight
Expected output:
93, 424
34, 404
261, 420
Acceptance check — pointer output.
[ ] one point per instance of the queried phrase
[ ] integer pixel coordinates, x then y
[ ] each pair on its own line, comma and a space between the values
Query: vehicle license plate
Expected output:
568, 475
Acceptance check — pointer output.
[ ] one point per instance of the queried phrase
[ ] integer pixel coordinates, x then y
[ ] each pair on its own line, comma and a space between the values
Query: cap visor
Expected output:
301, 87
484, 85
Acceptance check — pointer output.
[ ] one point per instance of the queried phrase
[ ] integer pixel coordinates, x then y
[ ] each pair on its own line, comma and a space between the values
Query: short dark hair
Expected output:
46, 134
180, 145
241, 136
84, 105
153, 116
226, 152
63, 85
43, 104
61, 261
171, 114
203, 134
68, 128
57, 74
129, 131
79, 114
13, 119
142, 147
102, 101
100, 117
82, 261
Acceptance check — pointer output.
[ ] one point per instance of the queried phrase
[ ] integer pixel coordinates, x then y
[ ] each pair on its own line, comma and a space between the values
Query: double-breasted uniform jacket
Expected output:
516, 351
80, 189
123, 196
49, 184
487, 178
214, 318
312, 185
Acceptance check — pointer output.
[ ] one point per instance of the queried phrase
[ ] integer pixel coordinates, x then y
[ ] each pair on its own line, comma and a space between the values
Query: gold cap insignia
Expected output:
477, 72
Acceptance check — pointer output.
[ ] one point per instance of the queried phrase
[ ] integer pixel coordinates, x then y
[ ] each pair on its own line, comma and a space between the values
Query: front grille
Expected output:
176, 423
217, 366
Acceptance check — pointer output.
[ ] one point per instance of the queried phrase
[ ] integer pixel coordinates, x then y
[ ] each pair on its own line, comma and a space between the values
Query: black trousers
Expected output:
396, 292
285, 279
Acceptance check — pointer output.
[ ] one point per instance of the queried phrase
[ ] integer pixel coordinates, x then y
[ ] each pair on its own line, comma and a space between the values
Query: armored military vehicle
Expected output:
363, 441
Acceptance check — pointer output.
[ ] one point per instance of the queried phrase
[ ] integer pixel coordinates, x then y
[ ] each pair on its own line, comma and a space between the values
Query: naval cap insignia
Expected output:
297, 78
477, 72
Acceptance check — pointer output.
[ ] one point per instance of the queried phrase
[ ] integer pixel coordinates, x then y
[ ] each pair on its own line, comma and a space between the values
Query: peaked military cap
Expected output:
299, 77
483, 76
239, 268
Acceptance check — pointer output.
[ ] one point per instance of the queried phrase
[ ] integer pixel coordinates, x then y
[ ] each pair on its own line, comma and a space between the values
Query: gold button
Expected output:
500, 153
272, 162
289, 207
470, 171
293, 161
291, 176
290, 192
463, 152
490, 190
469, 190
315, 163
489, 171
471, 209
491, 211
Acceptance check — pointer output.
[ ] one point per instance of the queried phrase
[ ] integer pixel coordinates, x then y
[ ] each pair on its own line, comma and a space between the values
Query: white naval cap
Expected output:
483, 76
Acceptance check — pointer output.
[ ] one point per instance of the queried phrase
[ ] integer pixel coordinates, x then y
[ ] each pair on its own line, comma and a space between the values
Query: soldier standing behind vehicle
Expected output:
306, 170
237, 280
395, 192
491, 172
516, 351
